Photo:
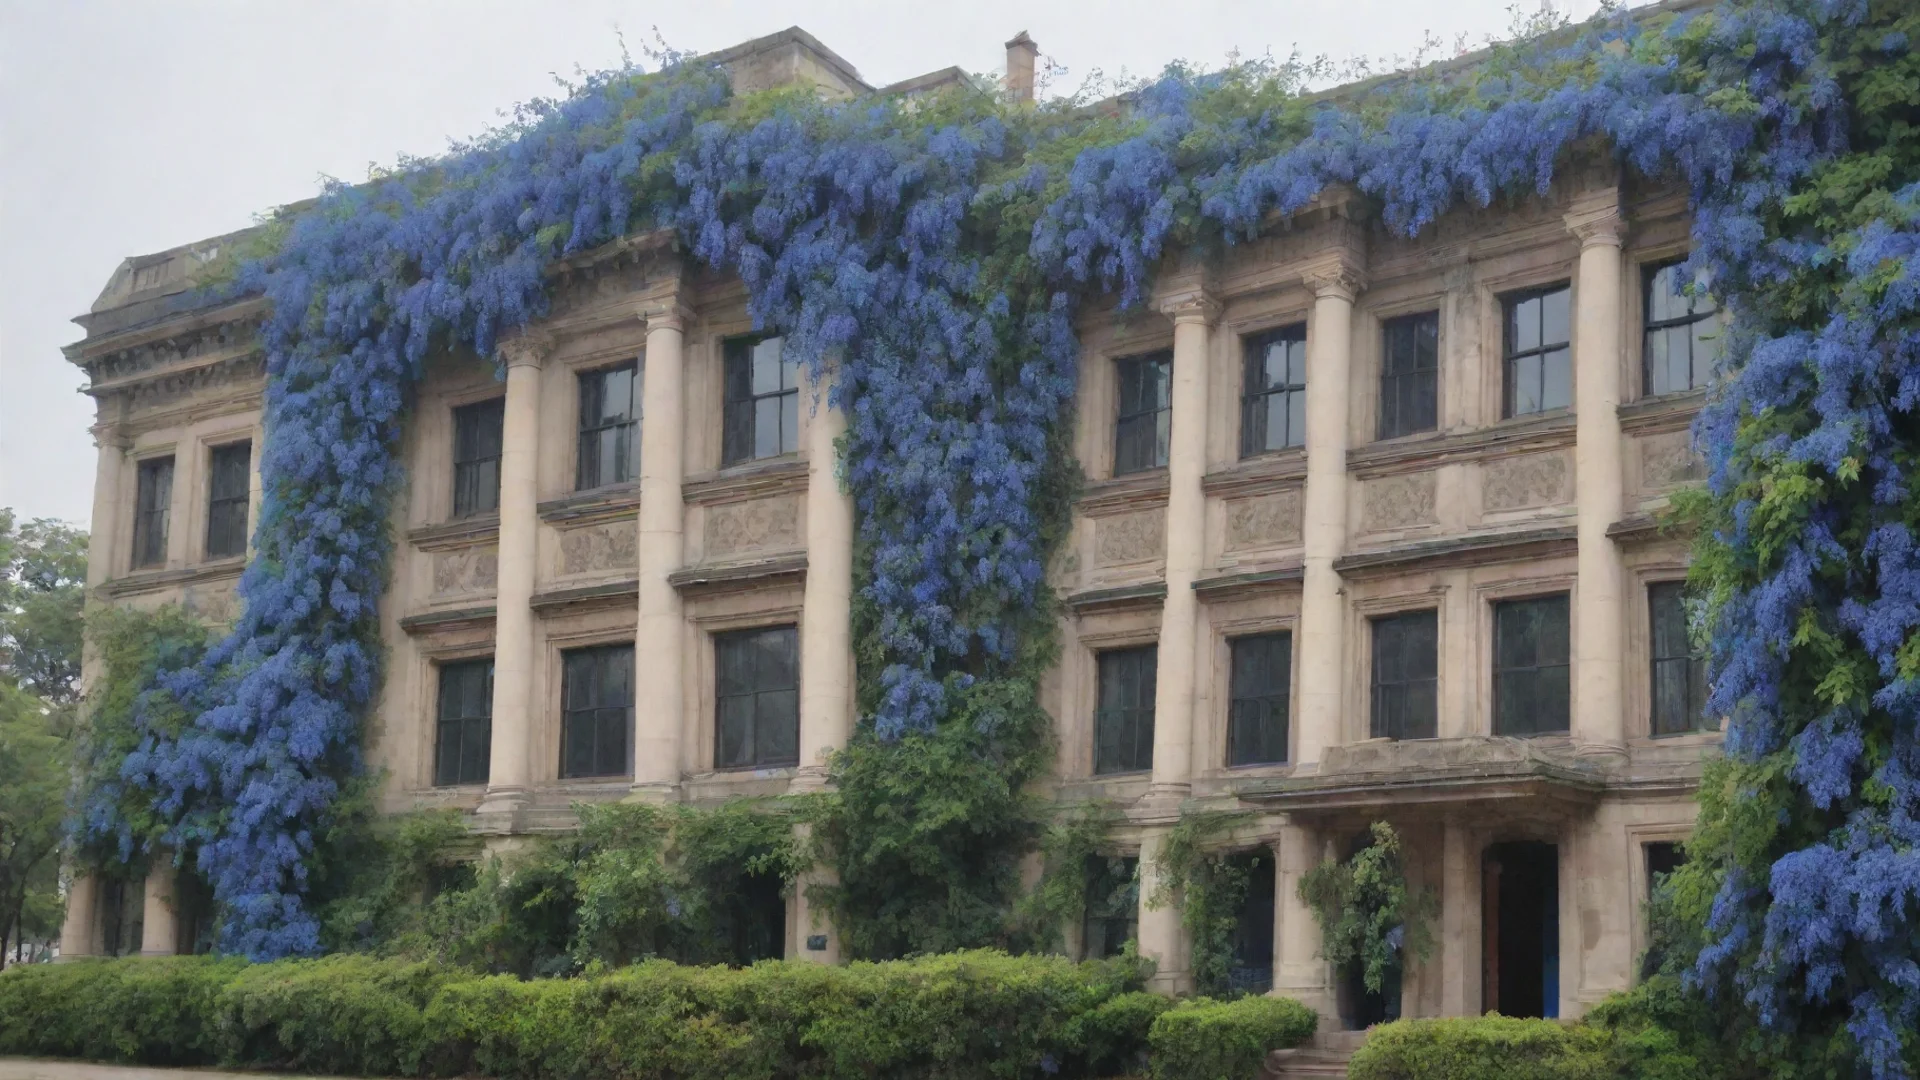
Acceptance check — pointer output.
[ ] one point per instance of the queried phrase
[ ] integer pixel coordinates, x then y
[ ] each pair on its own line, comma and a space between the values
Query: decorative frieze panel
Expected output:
1516, 483
1130, 538
1398, 502
752, 525
1264, 522
612, 546
466, 570
1668, 460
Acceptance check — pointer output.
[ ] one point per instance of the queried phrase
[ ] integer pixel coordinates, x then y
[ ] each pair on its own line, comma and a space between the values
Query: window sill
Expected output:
457, 532
612, 502
154, 579
1661, 413
1133, 491
1412, 453
1258, 475
783, 475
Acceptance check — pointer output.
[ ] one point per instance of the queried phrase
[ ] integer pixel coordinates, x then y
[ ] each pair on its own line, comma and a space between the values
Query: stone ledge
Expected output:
1473, 769
1656, 415
776, 476
739, 575
146, 581
1240, 582
1527, 435
1470, 550
1116, 599
605, 594
1258, 476
598, 504
450, 619
1139, 491
461, 532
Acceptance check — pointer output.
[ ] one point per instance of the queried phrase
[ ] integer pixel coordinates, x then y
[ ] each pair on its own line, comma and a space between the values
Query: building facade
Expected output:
1368, 534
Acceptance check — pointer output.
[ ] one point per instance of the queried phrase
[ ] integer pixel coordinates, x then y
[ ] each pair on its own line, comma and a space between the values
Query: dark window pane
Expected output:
1406, 672
597, 692
609, 450
760, 414
476, 457
1258, 696
1273, 392
1409, 375
1144, 421
1538, 364
153, 503
228, 483
757, 698
1531, 690
1679, 673
1682, 331
1112, 906
465, 731
1123, 719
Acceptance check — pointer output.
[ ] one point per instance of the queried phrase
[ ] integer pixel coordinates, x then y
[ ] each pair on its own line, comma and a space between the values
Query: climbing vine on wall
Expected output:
1367, 912
940, 253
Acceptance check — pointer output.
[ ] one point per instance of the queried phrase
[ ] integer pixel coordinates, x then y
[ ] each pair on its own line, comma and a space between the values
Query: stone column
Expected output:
103, 548
510, 767
1193, 313
826, 620
1299, 972
1459, 921
659, 641
79, 933
1599, 718
1320, 640
1162, 938
160, 935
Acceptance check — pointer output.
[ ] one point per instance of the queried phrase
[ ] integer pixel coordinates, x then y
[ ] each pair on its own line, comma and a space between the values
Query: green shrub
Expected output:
1202, 1039
1482, 1048
961, 1015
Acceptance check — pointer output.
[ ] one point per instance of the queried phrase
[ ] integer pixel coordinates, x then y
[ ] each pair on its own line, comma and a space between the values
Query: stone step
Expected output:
1306, 1063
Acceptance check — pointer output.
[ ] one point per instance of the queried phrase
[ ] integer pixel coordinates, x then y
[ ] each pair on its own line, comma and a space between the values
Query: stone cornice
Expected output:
1120, 598
1508, 438
623, 593
460, 533
1258, 476
140, 582
1141, 491
745, 574
1246, 581
1471, 549
1594, 218
599, 504
467, 618
785, 475
1657, 415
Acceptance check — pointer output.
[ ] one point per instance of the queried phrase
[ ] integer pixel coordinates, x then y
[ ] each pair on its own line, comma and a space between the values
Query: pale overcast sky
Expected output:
131, 126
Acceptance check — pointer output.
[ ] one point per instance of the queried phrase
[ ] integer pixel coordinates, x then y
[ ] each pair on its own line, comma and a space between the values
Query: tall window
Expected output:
1539, 363
476, 454
1258, 688
1679, 672
1123, 722
463, 740
1141, 431
1531, 693
597, 689
609, 427
228, 480
1406, 676
761, 417
757, 698
1112, 911
1273, 399
152, 503
1683, 331
1410, 374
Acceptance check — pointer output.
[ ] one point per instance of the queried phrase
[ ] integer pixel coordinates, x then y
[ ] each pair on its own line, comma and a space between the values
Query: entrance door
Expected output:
1522, 929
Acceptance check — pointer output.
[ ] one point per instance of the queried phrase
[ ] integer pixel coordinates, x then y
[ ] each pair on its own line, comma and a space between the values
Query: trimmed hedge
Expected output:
1225, 1040
961, 1015
1483, 1048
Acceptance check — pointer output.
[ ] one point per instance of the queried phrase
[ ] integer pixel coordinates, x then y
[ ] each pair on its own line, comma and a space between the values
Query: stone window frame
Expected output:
631, 733
1098, 392
1634, 263
1265, 613
1538, 670
454, 513
1638, 837
136, 463
1140, 704
1637, 684
750, 607
557, 634
429, 442
1246, 318
1154, 356
1530, 581
581, 374
1247, 404
1378, 307
438, 684
1511, 352
559, 422
198, 487
245, 499
429, 652
752, 401
1396, 597
715, 639
1490, 293
1080, 684
704, 394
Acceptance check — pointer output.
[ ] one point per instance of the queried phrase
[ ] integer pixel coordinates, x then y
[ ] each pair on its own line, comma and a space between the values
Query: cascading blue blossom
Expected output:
875, 237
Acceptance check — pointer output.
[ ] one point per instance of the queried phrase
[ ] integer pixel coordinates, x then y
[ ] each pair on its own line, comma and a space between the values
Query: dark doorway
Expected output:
1361, 1008
1521, 928
1252, 970
754, 920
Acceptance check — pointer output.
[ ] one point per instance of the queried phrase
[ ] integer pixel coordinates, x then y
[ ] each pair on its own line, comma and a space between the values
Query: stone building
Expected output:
1367, 535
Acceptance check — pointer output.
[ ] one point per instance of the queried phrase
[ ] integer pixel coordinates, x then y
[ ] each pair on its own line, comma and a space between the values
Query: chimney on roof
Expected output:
1021, 55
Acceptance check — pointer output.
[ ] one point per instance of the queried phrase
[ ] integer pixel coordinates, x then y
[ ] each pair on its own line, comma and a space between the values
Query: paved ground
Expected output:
43, 1069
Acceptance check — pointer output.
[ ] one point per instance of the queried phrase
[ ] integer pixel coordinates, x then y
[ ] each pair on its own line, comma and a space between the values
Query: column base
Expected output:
1600, 755
654, 791
808, 779
1163, 800
503, 810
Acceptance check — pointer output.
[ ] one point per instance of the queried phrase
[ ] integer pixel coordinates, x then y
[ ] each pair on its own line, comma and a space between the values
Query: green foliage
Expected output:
1479, 1048
1366, 911
1073, 844
1201, 1039
43, 573
1198, 872
963, 1015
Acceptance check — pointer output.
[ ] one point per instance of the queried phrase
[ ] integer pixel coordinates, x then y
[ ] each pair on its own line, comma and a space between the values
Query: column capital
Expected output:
111, 435
667, 312
1190, 305
1595, 219
1337, 276
528, 348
